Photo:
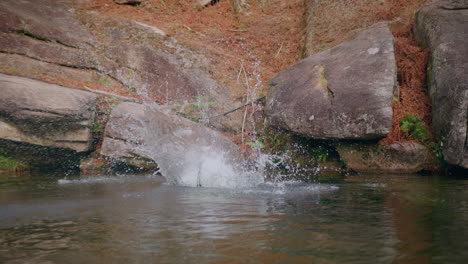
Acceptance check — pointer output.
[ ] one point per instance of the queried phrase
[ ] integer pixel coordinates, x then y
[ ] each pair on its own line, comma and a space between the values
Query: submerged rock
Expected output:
47, 115
406, 157
137, 132
443, 27
342, 93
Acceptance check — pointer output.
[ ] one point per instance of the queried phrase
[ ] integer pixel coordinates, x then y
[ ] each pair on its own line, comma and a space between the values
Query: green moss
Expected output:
324, 82
97, 127
104, 81
198, 109
414, 127
323, 79
437, 150
10, 163
14, 70
101, 165
303, 151
256, 145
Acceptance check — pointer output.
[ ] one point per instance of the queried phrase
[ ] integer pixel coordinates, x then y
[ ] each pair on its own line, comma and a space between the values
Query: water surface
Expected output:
381, 219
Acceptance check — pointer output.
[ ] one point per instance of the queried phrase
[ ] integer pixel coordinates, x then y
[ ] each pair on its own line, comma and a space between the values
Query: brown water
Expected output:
381, 219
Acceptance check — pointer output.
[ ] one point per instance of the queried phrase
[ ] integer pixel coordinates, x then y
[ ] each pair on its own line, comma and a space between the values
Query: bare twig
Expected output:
279, 50
240, 70
246, 100
194, 31
236, 30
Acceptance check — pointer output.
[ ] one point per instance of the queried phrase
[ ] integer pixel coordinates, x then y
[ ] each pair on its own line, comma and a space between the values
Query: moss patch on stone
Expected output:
10, 164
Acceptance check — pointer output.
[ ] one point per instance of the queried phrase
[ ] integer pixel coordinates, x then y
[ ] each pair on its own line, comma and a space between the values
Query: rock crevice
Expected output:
445, 31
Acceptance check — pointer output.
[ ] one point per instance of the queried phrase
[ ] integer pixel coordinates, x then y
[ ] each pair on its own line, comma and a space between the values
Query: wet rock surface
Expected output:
406, 157
443, 28
342, 93
138, 135
43, 114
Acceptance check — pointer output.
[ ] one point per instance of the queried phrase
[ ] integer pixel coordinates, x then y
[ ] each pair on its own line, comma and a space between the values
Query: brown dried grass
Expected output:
414, 100
335, 21
269, 33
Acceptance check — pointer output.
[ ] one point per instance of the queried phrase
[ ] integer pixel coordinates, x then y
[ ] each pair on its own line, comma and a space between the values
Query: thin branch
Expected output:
279, 50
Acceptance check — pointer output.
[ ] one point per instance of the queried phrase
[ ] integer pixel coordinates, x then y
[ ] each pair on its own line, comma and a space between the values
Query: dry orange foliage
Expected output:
271, 34
414, 100
332, 22
265, 40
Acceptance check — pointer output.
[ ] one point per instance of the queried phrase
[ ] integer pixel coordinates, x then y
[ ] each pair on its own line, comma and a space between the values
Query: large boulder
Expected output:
181, 148
443, 27
402, 157
142, 57
124, 134
51, 38
51, 21
139, 56
342, 93
47, 115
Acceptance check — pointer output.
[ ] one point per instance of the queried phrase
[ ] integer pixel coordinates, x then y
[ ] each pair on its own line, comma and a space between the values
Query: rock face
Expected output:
136, 134
342, 93
406, 157
123, 136
443, 27
49, 21
50, 38
47, 115
141, 57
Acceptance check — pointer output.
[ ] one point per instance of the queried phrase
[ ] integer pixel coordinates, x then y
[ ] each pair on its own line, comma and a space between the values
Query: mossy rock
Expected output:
405, 157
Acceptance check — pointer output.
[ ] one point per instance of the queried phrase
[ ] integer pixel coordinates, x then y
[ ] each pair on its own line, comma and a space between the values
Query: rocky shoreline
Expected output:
342, 96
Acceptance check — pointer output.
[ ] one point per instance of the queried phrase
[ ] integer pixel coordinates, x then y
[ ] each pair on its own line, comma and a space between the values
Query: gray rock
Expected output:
49, 37
142, 57
443, 27
46, 51
342, 93
138, 132
44, 20
44, 114
406, 157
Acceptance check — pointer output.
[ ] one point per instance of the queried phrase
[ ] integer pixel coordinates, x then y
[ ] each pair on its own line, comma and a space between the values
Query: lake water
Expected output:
372, 219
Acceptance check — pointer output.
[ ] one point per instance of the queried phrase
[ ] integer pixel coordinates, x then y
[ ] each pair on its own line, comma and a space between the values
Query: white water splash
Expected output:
189, 154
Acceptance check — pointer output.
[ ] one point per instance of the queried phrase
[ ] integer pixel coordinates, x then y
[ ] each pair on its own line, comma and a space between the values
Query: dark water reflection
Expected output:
404, 219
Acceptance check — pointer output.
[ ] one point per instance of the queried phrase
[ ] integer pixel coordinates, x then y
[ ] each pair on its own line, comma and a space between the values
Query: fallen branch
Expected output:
236, 30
